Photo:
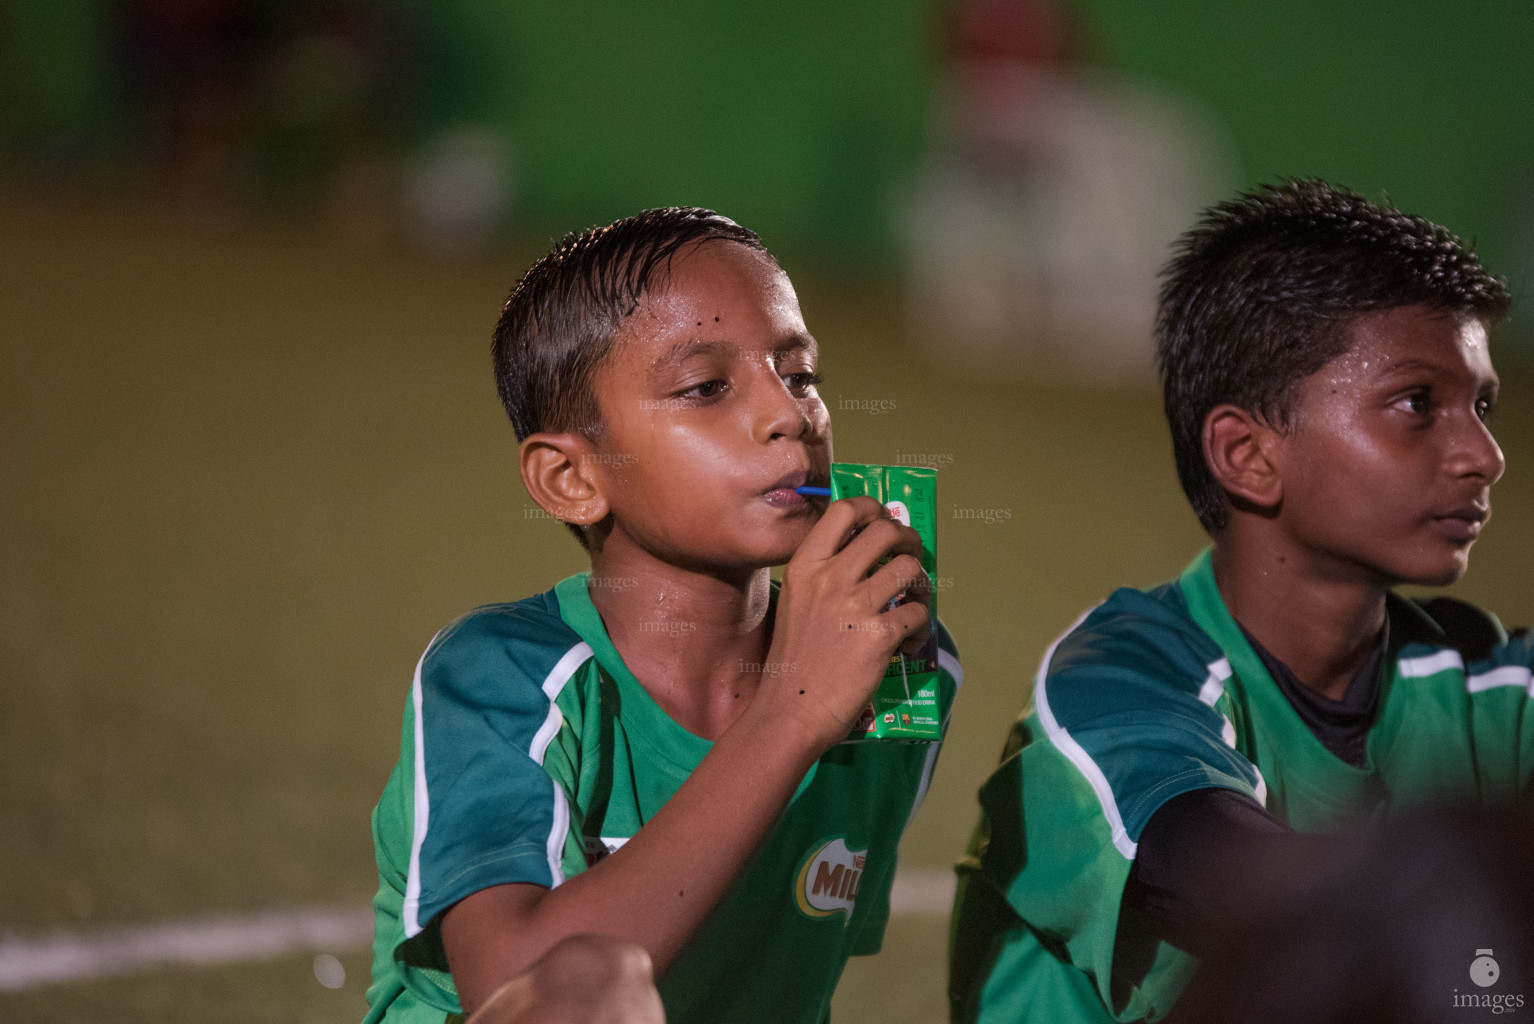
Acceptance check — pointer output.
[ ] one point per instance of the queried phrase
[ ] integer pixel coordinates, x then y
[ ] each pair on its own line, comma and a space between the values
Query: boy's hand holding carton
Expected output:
836, 629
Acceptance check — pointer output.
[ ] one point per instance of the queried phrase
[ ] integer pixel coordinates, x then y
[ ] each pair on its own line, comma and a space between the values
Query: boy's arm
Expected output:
1202, 863
1123, 723
1203, 858
833, 620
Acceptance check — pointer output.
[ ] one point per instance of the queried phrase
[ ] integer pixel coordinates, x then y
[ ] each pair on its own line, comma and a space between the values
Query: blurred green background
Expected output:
799, 117
251, 456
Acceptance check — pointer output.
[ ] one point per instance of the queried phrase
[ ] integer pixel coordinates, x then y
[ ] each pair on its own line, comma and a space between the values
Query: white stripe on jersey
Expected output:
1442, 661
558, 676
555, 682
420, 812
1431, 664
557, 833
1211, 692
1214, 687
948, 663
1073, 751
1507, 675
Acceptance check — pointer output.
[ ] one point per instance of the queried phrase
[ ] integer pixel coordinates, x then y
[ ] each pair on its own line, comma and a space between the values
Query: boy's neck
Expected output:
1323, 625
694, 640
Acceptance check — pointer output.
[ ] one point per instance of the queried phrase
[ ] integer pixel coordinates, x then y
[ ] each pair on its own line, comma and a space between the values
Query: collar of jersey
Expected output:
646, 719
643, 718
1286, 729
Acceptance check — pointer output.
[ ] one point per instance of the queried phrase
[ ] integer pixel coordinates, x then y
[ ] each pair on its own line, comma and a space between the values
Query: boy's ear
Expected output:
560, 479
1237, 449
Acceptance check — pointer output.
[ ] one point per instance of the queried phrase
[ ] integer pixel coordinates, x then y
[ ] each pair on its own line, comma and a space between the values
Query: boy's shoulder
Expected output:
495, 643
1473, 632
526, 618
1133, 640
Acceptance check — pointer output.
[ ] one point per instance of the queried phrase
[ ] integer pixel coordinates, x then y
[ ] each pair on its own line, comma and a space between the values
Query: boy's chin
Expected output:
728, 559
1442, 575
775, 555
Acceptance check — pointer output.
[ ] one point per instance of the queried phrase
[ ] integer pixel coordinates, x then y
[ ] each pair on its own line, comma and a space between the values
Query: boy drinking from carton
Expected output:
1327, 383
651, 750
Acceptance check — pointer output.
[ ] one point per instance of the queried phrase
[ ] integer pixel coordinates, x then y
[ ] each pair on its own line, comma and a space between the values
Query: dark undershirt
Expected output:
1343, 725
1187, 875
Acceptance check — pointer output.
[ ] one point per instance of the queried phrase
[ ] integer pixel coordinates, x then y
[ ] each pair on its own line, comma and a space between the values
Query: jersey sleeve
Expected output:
486, 804
1124, 720
1500, 689
1501, 692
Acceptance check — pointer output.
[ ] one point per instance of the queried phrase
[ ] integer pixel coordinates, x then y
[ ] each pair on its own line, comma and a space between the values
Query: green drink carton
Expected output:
905, 705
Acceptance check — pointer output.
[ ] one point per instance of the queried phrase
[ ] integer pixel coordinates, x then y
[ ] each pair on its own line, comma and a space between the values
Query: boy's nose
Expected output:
1478, 453
777, 413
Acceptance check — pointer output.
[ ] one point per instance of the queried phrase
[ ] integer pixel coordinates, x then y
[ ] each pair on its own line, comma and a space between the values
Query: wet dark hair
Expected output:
1258, 294
557, 327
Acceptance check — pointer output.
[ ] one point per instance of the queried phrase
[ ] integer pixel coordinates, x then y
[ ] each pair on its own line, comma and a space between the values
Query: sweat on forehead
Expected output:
716, 301
1410, 341
558, 324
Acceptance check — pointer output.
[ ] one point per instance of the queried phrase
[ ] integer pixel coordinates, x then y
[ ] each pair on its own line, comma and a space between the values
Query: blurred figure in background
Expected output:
1047, 199
240, 105
189, 76
1425, 919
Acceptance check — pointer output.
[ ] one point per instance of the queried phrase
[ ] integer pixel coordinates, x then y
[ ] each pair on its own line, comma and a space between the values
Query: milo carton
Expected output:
905, 705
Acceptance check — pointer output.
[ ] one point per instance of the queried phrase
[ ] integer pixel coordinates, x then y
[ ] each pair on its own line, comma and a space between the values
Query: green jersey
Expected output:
529, 752
1157, 693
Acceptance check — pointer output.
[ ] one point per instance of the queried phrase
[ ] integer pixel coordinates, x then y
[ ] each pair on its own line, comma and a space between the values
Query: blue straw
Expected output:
818, 492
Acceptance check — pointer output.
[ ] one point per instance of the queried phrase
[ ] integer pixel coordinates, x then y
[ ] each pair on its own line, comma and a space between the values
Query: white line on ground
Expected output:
79, 956
922, 891
74, 956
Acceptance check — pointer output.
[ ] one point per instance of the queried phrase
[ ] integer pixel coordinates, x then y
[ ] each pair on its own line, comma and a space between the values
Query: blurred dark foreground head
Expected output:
1389, 924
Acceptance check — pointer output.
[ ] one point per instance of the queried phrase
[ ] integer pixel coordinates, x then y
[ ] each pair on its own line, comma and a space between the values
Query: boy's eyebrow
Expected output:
1490, 384
1411, 365
800, 341
684, 350
1415, 364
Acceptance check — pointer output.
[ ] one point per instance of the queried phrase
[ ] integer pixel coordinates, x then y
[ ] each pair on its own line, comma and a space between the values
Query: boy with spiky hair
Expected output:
651, 750
1327, 382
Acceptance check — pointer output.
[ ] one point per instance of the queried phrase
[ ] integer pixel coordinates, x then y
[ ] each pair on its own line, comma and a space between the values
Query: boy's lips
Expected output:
798, 478
1463, 524
783, 493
